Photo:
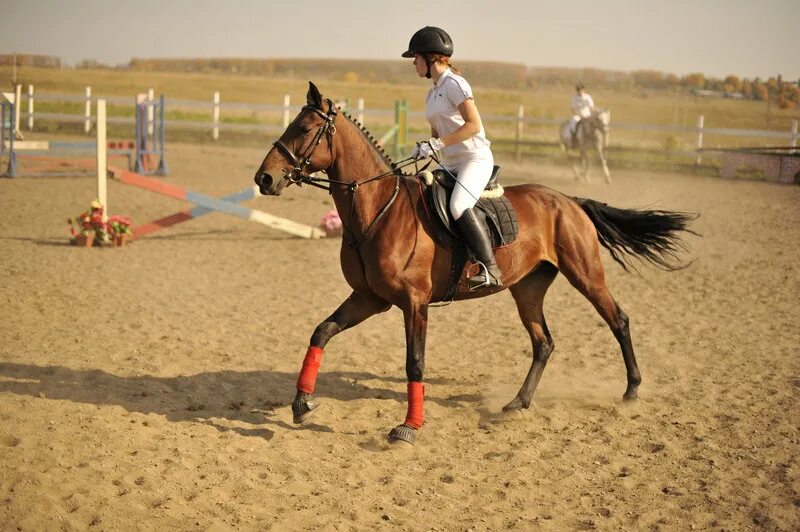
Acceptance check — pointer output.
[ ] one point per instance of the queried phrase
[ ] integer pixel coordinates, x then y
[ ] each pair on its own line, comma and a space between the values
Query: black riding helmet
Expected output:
430, 40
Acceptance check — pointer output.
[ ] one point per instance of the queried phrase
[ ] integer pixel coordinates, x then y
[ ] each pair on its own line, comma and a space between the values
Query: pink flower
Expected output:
331, 221
119, 225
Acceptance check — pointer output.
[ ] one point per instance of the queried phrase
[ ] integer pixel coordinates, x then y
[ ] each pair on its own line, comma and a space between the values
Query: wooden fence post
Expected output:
700, 120
102, 161
17, 107
87, 124
520, 118
286, 102
215, 116
150, 111
30, 107
360, 112
794, 133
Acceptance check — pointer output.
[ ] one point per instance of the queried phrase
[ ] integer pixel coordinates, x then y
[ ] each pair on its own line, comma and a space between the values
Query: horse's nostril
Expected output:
263, 180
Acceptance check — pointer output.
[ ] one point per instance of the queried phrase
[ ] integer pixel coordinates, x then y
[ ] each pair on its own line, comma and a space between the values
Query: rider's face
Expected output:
421, 65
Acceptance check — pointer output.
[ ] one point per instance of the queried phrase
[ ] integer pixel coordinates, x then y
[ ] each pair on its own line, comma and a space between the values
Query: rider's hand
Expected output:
425, 149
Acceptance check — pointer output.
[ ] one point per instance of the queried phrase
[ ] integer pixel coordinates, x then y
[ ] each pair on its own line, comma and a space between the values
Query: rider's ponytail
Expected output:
439, 58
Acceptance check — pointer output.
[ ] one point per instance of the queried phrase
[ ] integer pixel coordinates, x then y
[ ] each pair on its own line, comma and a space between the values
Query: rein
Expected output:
298, 176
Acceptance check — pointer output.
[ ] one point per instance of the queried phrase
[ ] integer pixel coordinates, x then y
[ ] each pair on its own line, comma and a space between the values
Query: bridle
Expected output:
298, 176
599, 122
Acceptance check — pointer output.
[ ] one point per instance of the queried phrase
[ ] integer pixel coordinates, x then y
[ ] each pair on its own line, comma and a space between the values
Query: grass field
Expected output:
637, 106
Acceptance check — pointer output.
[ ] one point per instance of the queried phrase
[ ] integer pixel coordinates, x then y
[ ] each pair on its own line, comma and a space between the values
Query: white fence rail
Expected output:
216, 106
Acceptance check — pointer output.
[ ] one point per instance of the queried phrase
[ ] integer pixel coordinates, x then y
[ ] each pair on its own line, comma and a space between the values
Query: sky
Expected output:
747, 38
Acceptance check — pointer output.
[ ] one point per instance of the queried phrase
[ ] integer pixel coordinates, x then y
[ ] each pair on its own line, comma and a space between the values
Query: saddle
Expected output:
574, 134
493, 209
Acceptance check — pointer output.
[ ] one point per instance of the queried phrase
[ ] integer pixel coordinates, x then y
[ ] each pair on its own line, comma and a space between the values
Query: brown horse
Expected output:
389, 256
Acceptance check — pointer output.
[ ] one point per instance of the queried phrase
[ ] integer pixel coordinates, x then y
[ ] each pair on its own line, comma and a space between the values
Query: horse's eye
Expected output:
306, 129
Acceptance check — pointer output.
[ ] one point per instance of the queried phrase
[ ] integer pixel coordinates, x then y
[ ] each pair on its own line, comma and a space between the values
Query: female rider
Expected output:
457, 134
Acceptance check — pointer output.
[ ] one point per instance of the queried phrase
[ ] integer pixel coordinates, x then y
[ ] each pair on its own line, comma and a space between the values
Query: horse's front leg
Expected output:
355, 309
585, 165
416, 321
602, 155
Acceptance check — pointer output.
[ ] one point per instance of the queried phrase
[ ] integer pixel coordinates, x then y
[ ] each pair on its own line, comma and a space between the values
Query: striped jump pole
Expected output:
188, 214
207, 202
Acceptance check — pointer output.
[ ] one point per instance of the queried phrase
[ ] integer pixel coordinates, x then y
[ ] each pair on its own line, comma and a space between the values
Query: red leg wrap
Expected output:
416, 397
308, 375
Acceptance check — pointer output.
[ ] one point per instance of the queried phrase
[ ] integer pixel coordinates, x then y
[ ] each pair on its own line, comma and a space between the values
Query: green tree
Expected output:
649, 79
760, 91
747, 88
732, 84
696, 80
672, 80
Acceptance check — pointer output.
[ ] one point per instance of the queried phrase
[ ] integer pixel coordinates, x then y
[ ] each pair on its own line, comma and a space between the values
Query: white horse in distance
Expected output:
591, 134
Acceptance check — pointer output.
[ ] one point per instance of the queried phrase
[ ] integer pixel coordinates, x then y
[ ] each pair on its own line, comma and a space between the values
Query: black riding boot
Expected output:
478, 241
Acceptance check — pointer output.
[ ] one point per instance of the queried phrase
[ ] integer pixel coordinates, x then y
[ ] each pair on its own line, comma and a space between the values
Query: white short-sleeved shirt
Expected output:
441, 110
582, 105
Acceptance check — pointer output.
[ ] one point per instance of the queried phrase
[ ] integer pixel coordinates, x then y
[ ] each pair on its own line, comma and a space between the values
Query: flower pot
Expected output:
84, 240
119, 240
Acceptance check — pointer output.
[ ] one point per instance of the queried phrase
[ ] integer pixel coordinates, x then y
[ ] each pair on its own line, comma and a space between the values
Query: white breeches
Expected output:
474, 170
573, 123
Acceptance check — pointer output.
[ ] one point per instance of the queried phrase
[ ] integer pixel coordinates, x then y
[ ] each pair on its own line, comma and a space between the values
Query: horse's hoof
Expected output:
515, 406
630, 396
303, 408
403, 433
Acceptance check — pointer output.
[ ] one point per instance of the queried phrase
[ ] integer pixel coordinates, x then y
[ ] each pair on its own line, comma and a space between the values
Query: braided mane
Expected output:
369, 138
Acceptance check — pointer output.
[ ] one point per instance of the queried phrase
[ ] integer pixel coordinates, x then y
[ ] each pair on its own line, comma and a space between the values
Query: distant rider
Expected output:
582, 106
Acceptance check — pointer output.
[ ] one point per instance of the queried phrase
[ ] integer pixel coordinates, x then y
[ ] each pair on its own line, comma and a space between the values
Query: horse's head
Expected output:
603, 117
305, 147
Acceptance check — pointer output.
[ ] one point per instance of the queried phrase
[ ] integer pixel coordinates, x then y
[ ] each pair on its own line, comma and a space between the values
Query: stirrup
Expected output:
488, 279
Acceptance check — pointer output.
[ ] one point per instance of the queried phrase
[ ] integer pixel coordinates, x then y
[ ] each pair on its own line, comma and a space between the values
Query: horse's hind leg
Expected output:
355, 309
529, 296
581, 265
572, 165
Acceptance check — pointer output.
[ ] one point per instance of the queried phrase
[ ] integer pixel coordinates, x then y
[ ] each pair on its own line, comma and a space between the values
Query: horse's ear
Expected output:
313, 97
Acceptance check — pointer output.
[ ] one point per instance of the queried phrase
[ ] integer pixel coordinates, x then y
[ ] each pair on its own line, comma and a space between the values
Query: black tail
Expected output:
651, 235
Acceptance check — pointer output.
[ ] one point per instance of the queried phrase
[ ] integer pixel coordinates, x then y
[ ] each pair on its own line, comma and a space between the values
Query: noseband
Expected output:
297, 174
